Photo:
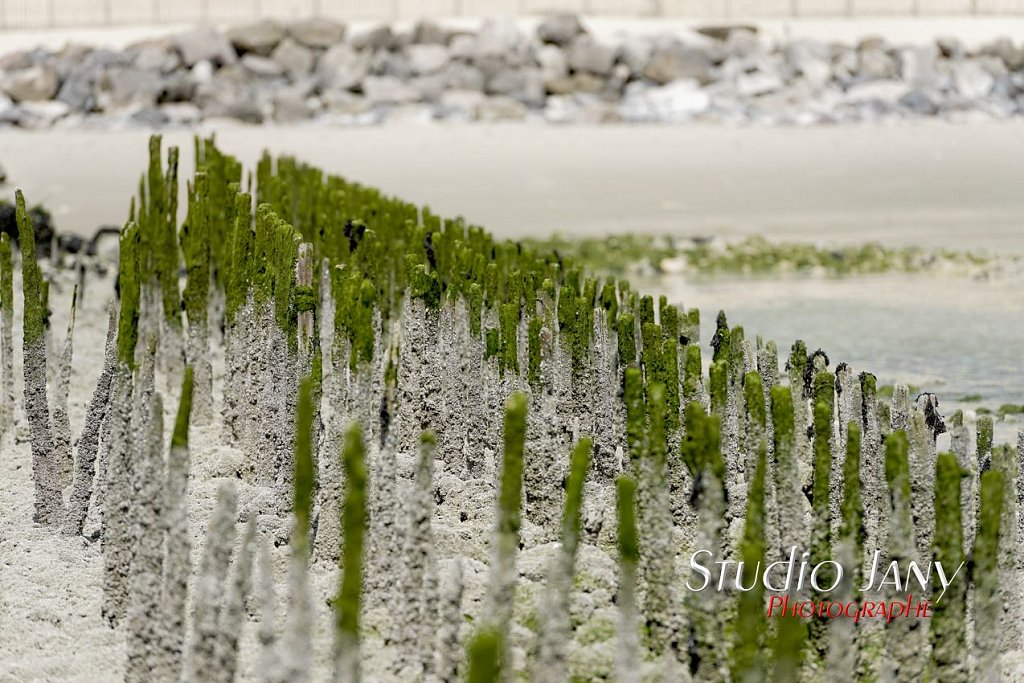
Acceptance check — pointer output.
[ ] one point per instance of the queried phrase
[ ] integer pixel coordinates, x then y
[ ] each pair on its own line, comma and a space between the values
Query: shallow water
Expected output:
948, 335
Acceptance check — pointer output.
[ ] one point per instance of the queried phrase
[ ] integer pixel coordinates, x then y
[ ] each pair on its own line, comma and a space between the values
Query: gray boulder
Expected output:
204, 43
377, 38
317, 32
156, 56
552, 61
342, 68
123, 86
1011, 55
501, 108
259, 38
498, 37
972, 80
560, 29
588, 56
427, 32
463, 77
295, 59
426, 59
576, 83
263, 67
388, 90
919, 102
874, 62
33, 84
678, 62
291, 105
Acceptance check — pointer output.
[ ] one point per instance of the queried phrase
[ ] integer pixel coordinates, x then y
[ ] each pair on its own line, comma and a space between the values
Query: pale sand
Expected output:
936, 184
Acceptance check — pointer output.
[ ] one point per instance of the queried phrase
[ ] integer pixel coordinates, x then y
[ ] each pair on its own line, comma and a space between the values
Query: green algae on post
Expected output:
948, 626
49, 504
348, 605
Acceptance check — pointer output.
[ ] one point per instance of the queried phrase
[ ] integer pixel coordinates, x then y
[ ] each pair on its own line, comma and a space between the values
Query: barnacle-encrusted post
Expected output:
843, 652
46, 476
1011, 548
232, 616
960, 442
751, 627
790, 631
985, 576
195, 243
502, 583
61, 424
7, 334
554, 627
146, 575
655, 516
348, 603
269, 657
177, 564
88, 441
418, 610
202, 663
449, 654
299, 627
627, 645
114, 491
903, 642
949, 623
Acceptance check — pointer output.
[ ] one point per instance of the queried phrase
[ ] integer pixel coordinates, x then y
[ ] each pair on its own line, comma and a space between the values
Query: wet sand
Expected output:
937, 184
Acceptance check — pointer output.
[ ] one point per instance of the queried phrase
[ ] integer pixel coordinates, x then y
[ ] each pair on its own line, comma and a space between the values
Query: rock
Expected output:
498, 37
758, 83
723, 33
122, 86
33, 84
577, 83
427, 32
156, 57
378, 38
246, 112
888, 92
342, 68
1011, 55
204, 43
525, 85
459, 76
178, 87
635, 52
150, 117
680, 100
917, 64
259, 38
291, 105
181, 113
552, 61
18, 60
950, 47
972, 80
462, 46
919, 102
388, 90
264, 67
560, 29
743, 43
317, 32
874, 62
590, 57
426, 59
809, 59
294, 58
678, 62
500, 108
460, 105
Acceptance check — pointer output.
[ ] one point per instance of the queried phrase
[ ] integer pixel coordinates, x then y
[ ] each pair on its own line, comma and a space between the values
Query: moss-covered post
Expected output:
949, 620
986, 579
843, 652
6, 335
299, 625
195, 242
790, 632
178, 546
554, 628
485, 661
627, 645
821, 488
502, 585
49, 506
348, 605
747, 663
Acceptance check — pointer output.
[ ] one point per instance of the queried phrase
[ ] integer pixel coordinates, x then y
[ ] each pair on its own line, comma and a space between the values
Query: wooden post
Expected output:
304, 281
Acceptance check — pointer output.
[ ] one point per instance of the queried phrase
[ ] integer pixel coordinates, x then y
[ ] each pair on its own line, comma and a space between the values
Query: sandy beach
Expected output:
928, 184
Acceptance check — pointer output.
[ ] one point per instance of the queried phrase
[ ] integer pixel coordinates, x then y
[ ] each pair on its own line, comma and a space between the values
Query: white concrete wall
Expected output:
78, 13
